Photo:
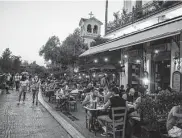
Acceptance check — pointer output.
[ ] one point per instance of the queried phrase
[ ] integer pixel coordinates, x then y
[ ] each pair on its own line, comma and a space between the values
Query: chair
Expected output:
72, 104
117, 125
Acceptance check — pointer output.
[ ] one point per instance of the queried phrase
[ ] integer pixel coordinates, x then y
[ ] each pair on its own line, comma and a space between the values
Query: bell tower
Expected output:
90, 28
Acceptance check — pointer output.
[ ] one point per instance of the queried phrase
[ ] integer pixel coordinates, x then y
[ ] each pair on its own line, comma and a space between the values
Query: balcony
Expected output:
139, 13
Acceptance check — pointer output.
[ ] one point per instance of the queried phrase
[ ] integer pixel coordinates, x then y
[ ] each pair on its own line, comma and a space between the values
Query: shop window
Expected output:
89, 28
95, 30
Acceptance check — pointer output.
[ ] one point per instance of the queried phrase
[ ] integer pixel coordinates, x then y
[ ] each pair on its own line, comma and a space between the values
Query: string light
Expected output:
119, 62
94, 75
156, 51
79, 77
137, 61
105, 59
96, 61
125, 56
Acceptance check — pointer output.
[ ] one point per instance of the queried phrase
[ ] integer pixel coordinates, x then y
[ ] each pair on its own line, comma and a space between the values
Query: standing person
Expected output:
23, 88
35, 88
7, 83
17, 81
30, 82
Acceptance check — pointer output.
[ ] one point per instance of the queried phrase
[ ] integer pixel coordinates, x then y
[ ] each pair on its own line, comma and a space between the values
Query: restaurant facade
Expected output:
151, 56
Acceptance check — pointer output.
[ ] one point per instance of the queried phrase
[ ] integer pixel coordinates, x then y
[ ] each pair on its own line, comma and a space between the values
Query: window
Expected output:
89, 28
95, 30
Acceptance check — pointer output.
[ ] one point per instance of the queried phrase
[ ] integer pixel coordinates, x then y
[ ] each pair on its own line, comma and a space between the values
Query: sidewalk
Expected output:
26, 120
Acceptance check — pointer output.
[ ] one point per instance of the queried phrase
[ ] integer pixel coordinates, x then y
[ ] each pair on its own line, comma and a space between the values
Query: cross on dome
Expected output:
91, 14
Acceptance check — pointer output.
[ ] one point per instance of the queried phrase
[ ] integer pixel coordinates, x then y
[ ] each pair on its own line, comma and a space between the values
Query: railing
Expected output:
139, 13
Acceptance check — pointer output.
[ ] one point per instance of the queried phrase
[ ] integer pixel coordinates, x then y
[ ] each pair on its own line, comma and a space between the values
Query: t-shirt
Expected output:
117, 101
17, 78
24, 84
35, 84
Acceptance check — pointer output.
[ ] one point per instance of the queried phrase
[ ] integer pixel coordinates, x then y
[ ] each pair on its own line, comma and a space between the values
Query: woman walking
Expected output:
23, 88
35, 89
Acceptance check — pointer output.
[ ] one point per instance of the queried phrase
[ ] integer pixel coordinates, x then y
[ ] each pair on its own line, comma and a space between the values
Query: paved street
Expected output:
26, 120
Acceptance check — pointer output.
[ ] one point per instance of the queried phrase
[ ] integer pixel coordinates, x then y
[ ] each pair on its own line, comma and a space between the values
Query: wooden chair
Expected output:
73, 104
117, 123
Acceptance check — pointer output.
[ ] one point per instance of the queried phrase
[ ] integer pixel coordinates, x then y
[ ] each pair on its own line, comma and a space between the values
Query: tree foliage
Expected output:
66, 53
99, 40
9, 62
50, 51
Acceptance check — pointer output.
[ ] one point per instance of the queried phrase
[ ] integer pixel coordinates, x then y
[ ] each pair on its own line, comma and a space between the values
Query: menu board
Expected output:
176, 81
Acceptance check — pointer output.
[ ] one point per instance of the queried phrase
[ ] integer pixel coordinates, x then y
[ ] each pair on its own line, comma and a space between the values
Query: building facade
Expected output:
149, 40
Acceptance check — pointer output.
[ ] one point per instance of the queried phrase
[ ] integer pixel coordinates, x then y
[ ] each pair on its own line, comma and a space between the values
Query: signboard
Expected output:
176, 81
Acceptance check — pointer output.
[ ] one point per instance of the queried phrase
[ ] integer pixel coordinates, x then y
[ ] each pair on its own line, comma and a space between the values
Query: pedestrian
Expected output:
23, 88
30, 82
35, 89
17, 81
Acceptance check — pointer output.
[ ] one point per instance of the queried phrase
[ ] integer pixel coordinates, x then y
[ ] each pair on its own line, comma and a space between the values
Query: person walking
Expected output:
35, 89
17, 81
7, 83
23, 88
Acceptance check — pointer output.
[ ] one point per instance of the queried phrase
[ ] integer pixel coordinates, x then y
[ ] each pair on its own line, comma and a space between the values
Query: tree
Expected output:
64, 55
6, 62
50, 51
99, 40
9, 62
16, 63
73, 46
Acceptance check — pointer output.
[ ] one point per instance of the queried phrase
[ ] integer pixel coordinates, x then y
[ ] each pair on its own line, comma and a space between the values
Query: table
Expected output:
94, 117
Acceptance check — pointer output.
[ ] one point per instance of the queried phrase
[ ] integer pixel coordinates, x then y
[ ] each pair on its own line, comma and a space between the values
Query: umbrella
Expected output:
24, 73
108, 67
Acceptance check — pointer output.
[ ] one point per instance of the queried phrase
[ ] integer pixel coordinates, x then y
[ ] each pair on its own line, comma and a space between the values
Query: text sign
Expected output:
177, 81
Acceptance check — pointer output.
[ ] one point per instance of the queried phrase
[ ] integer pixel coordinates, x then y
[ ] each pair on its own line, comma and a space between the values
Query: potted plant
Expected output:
155, 112
149, 118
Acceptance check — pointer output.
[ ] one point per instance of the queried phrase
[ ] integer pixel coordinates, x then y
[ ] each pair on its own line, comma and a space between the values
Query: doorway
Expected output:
162, 73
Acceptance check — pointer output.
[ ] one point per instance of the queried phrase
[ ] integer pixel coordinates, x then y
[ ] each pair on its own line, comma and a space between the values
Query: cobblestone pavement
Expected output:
27, 120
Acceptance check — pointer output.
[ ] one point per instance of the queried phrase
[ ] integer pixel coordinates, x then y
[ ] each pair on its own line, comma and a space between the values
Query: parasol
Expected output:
25, 73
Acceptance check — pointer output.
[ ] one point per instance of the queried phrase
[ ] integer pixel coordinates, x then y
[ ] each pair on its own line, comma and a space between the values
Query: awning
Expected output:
156, 32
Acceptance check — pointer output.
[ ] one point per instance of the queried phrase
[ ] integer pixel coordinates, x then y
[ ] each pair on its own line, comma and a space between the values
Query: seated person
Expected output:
108, 93
174, 122
59, 94
159, 90
75, 89
114, 101
122, 91
89, 100
129, 97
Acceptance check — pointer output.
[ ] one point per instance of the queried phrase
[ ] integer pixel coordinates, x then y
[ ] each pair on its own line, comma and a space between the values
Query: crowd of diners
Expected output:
113, 96
110, 95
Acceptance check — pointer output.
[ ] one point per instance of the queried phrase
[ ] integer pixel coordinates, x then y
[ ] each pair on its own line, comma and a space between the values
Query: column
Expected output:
124, 75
